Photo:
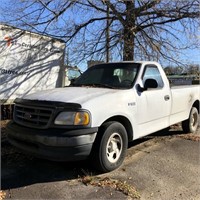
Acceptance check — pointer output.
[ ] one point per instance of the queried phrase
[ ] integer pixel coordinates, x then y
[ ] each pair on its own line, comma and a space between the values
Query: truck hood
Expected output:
78, 95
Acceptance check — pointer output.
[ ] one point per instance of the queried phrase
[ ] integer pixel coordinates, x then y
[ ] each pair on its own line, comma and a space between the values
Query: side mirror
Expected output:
149, 83
139, 88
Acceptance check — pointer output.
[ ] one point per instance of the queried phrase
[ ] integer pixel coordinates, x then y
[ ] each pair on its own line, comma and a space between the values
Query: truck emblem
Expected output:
27, 116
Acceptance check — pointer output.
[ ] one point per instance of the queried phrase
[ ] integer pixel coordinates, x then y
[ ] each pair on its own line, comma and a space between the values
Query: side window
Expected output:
152, 72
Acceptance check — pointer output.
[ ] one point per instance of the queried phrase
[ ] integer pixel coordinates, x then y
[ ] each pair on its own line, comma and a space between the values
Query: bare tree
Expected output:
144, 29
193, 69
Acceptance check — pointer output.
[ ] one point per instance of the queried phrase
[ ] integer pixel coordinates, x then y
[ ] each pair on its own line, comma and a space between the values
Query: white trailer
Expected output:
29, 62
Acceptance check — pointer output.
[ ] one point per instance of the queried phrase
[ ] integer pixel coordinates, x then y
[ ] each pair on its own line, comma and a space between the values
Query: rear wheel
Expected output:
190, 125
110, 148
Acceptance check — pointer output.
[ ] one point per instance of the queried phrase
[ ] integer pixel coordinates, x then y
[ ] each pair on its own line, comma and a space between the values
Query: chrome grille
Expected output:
36, 117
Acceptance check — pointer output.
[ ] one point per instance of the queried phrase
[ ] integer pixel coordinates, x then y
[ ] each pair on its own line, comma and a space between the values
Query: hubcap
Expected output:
194, 119
114, 147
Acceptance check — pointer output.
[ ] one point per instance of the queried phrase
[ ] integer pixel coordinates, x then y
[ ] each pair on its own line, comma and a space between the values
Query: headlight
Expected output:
73, 118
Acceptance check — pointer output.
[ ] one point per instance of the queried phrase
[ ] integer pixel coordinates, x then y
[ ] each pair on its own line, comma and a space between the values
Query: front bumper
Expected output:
53, 144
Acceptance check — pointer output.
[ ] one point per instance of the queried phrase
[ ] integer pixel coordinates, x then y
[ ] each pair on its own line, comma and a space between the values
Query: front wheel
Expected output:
110, 148
190, 125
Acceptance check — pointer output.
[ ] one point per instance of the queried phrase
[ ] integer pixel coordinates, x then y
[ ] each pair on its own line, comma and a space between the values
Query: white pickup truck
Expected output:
108, 106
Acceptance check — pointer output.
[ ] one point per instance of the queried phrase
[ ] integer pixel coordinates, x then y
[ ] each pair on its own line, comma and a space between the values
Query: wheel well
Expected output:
125, 122
196, 104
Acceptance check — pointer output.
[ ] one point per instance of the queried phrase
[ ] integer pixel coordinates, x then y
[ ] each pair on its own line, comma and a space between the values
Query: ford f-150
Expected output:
96, 116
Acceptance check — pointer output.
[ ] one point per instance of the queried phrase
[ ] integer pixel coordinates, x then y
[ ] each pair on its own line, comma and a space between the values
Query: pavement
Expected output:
162, 166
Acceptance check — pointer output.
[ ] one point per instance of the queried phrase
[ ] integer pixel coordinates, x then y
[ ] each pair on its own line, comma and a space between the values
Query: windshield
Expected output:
113, 75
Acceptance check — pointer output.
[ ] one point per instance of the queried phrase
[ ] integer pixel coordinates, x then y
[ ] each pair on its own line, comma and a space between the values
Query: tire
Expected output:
110, 147
191, 124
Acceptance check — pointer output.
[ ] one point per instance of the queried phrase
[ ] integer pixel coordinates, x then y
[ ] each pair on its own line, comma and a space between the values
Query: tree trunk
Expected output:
128, 51
129, 31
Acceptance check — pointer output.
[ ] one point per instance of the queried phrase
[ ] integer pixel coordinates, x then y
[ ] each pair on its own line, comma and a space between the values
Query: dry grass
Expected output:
3, 124
118, 185
190, 136
2, 195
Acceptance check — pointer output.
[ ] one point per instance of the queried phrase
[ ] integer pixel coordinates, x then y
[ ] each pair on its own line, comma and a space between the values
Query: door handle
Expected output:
167, 97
